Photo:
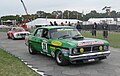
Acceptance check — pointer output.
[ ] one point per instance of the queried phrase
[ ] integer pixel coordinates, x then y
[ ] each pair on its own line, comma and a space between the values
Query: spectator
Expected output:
51, 23
62, 24
94, 28
69, 24
105, 30
78, 26
55, 23
66, 23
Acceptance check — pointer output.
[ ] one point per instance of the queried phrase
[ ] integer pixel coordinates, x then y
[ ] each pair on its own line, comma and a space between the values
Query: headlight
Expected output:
75, 51
101, 48
17, 34
81, 50
105, 47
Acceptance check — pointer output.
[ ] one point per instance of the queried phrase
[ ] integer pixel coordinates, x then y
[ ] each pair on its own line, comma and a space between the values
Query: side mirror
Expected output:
30, 34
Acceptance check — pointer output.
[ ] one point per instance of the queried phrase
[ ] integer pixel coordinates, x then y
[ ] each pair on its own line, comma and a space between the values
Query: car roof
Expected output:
55, 27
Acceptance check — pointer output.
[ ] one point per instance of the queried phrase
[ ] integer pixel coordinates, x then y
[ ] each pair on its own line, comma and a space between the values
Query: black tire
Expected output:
13, 38
60, 59
8, 36
31, 50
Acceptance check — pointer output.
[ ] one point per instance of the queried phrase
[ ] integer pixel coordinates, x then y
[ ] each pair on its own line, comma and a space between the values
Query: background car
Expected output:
66, 45
17, 33
4, 26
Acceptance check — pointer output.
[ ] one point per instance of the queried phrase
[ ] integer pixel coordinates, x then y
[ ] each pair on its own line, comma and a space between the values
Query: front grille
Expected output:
89, 49
23, 34
97, 48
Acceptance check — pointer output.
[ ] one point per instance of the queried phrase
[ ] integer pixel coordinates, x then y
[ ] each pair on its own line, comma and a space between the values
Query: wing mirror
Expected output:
30, 34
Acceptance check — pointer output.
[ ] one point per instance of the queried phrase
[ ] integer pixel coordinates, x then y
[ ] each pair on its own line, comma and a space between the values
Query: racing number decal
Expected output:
44, 46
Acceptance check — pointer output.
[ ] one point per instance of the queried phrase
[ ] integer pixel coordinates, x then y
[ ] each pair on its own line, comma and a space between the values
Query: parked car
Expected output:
66, 45
17, 33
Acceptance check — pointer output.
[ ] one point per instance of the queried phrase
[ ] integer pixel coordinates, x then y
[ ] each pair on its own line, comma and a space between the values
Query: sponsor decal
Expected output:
53, 48
90, 43
56, 43
65, 52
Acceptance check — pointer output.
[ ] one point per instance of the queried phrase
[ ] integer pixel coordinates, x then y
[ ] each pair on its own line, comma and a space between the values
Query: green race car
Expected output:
66, 45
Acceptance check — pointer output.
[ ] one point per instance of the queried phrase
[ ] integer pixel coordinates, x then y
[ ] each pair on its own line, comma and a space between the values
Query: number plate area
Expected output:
90, 60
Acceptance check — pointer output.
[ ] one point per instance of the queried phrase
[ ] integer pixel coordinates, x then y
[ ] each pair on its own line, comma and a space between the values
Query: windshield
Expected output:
64, 33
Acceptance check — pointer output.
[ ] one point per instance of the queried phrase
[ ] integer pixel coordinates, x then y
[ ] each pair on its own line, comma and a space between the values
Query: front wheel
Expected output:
13, 38
8, 36
31, 49
60, 59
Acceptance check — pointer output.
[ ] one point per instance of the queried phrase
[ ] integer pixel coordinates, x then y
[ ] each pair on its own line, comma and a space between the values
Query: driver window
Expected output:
45, 33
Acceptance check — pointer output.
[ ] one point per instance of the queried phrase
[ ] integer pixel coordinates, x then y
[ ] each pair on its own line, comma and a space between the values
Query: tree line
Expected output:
62, 15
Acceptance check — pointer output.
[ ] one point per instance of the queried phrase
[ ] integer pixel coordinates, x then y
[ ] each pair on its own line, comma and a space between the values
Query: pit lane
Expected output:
48, 67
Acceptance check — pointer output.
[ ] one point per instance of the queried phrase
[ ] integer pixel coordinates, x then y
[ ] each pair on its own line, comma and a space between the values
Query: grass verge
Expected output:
12, 66
3, 29
113, 38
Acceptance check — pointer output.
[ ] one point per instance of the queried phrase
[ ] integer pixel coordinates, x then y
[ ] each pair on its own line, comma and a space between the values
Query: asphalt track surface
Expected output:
48, 67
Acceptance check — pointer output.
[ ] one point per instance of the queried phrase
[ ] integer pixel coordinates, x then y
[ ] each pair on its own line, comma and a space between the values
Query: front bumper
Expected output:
20, 36
89, 56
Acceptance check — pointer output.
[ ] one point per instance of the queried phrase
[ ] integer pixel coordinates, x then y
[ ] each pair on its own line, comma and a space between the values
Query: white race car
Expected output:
17, 33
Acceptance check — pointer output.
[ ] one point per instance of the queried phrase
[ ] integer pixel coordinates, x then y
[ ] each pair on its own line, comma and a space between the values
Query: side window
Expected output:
38, 33
45, 33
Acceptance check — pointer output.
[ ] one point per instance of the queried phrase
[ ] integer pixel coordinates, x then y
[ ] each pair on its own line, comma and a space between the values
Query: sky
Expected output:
13, 7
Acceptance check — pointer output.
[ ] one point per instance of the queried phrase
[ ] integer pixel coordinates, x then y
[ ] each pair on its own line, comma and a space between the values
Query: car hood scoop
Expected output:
78, 38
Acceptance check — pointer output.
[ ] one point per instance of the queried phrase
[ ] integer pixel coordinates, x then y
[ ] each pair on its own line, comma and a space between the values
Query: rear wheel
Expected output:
60, 59
31, 49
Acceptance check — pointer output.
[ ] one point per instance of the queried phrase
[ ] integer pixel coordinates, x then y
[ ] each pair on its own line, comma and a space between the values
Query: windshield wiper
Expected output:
64, 36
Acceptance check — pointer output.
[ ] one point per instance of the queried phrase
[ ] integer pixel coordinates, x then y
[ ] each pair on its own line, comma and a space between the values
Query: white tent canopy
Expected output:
101, 20
38, 22
45, 21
